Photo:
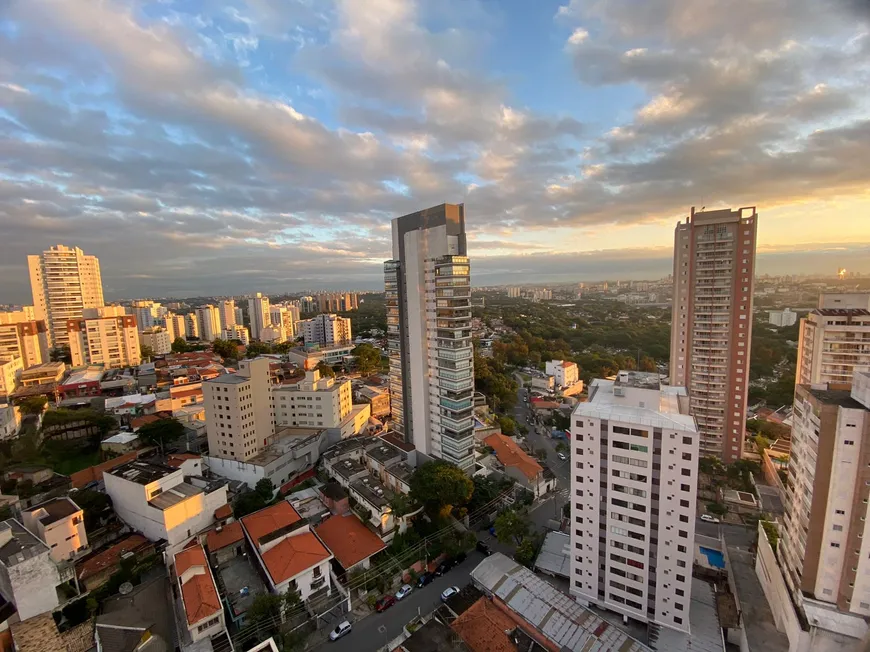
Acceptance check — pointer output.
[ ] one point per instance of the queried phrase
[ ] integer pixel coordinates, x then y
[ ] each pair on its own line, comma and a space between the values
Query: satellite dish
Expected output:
125, 589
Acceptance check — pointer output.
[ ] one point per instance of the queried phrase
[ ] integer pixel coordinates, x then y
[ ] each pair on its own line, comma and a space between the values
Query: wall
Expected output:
776, 592
770, 474
279, 471
31, 585
304, 579
66, 537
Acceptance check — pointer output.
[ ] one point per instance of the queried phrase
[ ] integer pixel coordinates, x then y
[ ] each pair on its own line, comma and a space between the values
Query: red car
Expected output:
385, 603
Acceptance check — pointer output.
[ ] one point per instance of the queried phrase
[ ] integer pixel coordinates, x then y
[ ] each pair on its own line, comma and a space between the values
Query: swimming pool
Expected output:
714, 557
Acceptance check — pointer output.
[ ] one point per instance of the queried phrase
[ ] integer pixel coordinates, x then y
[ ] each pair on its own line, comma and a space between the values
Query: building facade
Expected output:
109, 341
833, 343
10, 373
239, 412
313, 402
64, 282
825, 541
711, 327
148, 313
564, 373
633, 494
782, 318
428, 298
157, 339
237, 332
28, 574
60, 524
176, 325
326, 330
27, 340
227, 309
209, 320
258, 314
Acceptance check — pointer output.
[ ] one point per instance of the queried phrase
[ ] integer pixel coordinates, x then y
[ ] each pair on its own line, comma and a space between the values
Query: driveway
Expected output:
376, 630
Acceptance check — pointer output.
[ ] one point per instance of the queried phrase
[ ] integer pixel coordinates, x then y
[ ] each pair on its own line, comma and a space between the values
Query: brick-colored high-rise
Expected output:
711, 327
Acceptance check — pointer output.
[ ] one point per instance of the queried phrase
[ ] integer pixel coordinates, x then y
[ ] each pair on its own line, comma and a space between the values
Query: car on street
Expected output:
385, 603
458, 559
709, 519
342, 629
563, 457
482, 547
449, 592
405, 590
443, 567
425, 579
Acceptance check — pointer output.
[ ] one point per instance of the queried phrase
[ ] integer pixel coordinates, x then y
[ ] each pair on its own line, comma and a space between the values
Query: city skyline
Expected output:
268, 145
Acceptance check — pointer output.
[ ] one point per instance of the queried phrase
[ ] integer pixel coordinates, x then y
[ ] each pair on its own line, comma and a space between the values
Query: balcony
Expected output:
456, 354
456, 386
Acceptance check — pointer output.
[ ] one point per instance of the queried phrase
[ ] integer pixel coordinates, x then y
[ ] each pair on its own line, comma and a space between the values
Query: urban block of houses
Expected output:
289, 553
201, 606
60, 524
520, 466
131, 404
156, 500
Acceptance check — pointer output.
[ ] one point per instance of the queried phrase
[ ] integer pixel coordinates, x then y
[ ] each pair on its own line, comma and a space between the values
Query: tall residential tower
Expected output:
428, 297
711, 328
64, 282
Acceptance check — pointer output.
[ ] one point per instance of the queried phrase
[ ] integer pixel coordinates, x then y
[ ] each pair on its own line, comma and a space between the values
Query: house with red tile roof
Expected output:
349, 540
521, 466
203, 611
290, 554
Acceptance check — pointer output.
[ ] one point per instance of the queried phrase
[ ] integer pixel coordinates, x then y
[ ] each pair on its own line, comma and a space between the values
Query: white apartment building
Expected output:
428, 298
711, 325
326, 330
155, 499
239, 412
176, 325
825, 542
236, 332
633, 493
60, 524
111, 341
209, 320
158, 339
28, 575
148, 313
27, 340
282, 315
227, 309
782, 318
258, 314
514, 293
845, 300
314, 401
833, 343
10, 372
64, 282
564, 373
273, 333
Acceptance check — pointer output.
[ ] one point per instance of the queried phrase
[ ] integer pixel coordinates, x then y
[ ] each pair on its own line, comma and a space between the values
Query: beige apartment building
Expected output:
157, 339
27, 340
176, 325
711, 327
834, 342
17, 316
239, 411
326, 330
227, 309
825, 539
64, 282
60, 524
103, 338
10, 372
314, 401
208, 319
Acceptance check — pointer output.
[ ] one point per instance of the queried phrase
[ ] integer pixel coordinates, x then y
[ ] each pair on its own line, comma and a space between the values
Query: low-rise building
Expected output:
45, 373
155, 500
290, 554
28, 575
308, 357
351, 543
378, 398
81, 383
60, 524
121, 443
564, 373
131, 404
544, 383
520, 466
202, 608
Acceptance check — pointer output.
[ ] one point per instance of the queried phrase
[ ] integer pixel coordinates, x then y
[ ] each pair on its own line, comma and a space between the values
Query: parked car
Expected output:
443, 567
449, 592
458, 559
342, 629
425, 579
405, 590
385, 603
709, 519
563, 457
482, 547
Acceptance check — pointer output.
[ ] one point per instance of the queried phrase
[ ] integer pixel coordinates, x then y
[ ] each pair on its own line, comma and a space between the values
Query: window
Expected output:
684, 503
686, 472
849, 442
838, 528
678, 621
684, 487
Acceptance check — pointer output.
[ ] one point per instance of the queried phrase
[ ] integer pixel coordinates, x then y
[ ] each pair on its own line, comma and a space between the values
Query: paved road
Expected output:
738, 536
376, 630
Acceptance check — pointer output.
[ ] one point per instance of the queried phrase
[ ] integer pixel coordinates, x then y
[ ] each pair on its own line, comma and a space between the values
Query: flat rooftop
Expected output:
285, 441
23, 545
839, 397
349, 468
758, 621
348, 445
228, 379
706, 634
383, 453
401, 471
142, 472
555, 555
241, 583
671, 411
55, 510
372, 490
171, 497
641, 379
89, 375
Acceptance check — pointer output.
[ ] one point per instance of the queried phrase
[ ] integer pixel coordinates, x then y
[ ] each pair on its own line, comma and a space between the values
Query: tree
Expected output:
439, 486
225, 349
400, 504
255, 349
146, 352
325, 370
368, 358
247, 503
265, 489
32, 405
508, 425
526, 552
95, 506
265, 609
511, 527
179, 345
161, 432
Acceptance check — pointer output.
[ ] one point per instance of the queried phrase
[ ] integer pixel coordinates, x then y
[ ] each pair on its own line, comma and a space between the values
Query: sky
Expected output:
205, 147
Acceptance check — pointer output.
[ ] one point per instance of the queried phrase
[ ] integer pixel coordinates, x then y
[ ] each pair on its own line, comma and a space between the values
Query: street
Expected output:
737, 536
376, 630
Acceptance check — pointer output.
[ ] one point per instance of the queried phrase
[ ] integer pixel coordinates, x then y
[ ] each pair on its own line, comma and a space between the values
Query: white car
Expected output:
449, 592
405, 590
342, 629
709, 519
563, 457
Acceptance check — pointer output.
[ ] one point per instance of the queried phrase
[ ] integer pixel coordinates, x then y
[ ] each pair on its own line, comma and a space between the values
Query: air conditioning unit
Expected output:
618, 391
